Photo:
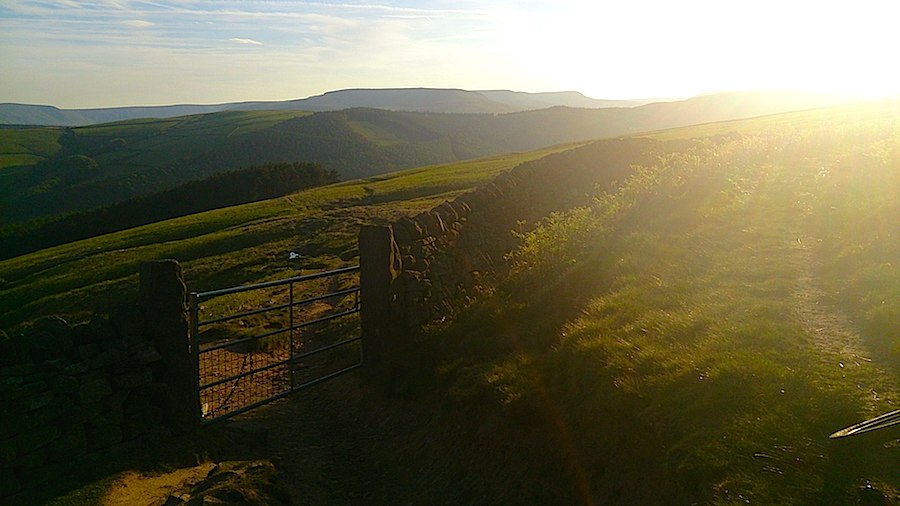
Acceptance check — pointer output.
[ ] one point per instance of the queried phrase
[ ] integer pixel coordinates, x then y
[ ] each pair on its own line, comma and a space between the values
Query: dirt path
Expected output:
315, 439
344, 442
832, 332
337, 443
133, 488
839, 341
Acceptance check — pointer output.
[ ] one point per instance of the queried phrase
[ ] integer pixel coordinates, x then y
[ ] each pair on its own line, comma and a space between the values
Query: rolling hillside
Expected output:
692, 335
43, 175
224, 189
232, 245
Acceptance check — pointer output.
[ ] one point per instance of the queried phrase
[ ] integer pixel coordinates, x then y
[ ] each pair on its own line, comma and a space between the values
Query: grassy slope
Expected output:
20, 147
149, 155
135, 158
150, 142
697, 335
235, 245
27, 145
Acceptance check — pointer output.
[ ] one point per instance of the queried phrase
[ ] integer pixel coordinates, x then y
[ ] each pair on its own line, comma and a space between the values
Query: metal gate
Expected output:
258, 343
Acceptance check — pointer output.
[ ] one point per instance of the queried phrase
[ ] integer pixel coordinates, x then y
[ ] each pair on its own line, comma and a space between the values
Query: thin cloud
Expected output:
138, 23
239, 40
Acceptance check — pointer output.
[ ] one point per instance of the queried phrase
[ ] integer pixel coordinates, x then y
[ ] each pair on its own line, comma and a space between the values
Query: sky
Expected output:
105, 53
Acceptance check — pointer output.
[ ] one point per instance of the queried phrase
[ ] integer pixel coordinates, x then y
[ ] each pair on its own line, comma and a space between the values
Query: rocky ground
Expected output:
339, 443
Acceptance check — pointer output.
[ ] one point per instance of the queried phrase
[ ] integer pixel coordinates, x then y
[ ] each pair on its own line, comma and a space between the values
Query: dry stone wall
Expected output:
458, 248
69, 392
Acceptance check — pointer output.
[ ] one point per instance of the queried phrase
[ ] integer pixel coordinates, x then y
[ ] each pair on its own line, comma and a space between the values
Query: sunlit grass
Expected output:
731, 305
18, 159
235, 245
27, 145
704, 325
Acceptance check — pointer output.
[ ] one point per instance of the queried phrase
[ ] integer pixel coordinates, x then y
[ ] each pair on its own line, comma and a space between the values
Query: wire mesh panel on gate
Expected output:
260, 342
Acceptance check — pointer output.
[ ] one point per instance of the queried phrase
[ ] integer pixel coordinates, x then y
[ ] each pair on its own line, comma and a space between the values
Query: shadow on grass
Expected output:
90, 479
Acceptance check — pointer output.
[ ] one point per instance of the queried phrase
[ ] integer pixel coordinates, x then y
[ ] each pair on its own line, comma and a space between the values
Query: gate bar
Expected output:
281, 306
235, 342
195, 324
267, 284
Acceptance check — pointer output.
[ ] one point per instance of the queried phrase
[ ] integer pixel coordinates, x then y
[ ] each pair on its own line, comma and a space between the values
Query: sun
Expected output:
668, 49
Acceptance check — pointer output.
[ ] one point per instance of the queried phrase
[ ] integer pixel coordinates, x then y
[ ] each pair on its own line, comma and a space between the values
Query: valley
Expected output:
49, 172
689, 330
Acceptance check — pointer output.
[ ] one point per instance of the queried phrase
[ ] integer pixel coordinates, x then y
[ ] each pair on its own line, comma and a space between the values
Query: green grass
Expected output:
130, 128
451, 176
236, 245
27, 146
135, 157
881, 115
177, 149
251, 121
159, 142
19, 159
372, 132
710, 322
692, 336
144, 156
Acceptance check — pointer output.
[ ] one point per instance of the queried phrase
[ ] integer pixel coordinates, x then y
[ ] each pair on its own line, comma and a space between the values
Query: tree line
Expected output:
232, 188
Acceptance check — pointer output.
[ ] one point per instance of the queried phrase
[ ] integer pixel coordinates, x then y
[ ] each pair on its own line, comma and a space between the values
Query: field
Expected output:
124, 152
692, 335
236, 245
54, 171
27, 146
706, 326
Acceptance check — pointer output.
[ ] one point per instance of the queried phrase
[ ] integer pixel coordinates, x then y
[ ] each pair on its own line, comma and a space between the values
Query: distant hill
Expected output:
47, 115
397, 99
138, 157
526, 101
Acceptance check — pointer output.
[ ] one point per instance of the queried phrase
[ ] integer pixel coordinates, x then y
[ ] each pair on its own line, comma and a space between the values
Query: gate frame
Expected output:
195, 324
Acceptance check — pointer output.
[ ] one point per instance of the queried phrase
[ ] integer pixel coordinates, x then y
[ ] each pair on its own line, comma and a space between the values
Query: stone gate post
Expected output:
379, 265
162, 299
